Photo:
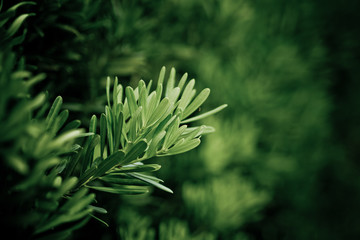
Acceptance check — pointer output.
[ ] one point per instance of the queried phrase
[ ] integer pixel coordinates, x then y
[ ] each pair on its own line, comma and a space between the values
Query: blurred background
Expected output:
284, 161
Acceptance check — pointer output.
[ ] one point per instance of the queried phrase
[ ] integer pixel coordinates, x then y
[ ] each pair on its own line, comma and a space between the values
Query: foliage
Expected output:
282, 166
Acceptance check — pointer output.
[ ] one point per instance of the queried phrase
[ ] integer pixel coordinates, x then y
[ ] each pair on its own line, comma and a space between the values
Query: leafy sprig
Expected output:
139, 124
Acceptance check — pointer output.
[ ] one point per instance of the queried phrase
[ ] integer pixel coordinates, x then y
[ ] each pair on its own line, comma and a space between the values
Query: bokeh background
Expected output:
284, 161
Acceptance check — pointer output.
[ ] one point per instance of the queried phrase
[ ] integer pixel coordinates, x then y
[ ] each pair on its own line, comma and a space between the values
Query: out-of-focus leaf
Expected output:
71, 125
17, 24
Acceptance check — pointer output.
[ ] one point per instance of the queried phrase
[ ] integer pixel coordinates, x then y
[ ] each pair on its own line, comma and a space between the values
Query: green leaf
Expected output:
183, 146
110, 162
110, 134
159, 90
89, 155
115, 102
204, 115
150, 105
174, 95
134, 124
135, 152
187, 95
154, 145
54, 111
98, 209
108, 90
86, 176
123, 179
130, 95
92, 124
73, 161
16, 6
102, 133
151, 181
122, 189
173, 137
142, 94
67, 137
17, 24
71, 125
170, 83
100, 220
161, 75
183, 81
138, 168
65, 187
198, 101
161, 109
59, 121
65, 218
118, 130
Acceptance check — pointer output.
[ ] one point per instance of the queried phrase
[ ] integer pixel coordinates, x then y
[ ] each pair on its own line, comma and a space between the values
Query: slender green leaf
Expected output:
154, 145
59, 121
72, 162
183, 81
135, 152
174, 95
115, 102
151, 181
92, 125
16, 6
71, 125
198, 101
98, 209
183, 146
102, 133
100, 220
161, 75
204, 115
118, 130
89, 155
130, 95
122, 179
54, 111
161, 109
110, 134
150, 106
186, 96
170, 83
17, 24
110, 162
138, 168
108, 90
174, 137
86, 176
122, 189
